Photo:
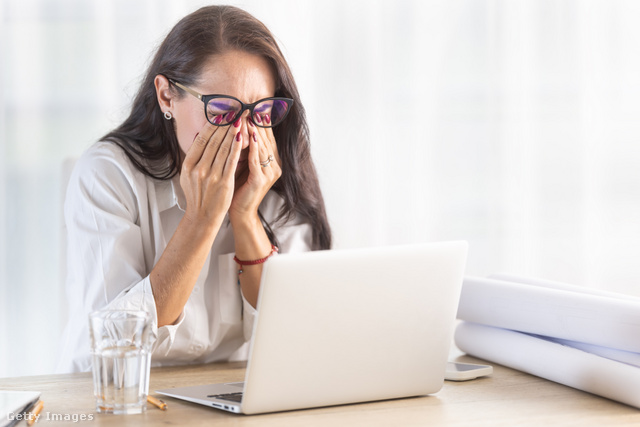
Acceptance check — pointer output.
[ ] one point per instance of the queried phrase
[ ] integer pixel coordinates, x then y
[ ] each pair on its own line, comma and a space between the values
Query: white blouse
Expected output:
119, 222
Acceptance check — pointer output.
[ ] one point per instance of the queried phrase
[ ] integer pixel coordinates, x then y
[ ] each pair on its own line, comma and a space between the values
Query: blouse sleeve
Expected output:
105, 248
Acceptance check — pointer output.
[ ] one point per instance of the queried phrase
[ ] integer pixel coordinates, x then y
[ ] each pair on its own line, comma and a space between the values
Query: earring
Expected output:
168, 115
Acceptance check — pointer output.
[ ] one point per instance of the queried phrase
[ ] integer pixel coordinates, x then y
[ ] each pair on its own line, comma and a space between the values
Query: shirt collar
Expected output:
169, 194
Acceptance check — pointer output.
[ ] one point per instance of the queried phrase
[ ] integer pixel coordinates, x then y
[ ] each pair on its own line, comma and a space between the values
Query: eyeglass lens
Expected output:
223, 111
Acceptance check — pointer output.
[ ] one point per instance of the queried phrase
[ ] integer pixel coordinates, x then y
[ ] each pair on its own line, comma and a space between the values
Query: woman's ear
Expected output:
163, 93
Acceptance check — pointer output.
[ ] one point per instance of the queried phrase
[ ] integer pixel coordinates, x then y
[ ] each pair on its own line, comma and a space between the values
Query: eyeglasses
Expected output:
222, 110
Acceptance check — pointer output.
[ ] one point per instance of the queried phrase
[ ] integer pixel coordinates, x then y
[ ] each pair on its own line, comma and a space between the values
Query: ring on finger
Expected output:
266, 162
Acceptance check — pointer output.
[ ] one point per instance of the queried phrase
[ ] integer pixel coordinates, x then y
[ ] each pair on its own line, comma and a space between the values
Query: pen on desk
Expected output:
35, 412
157, 402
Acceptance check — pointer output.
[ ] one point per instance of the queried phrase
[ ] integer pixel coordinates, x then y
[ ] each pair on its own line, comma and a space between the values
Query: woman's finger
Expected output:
272, 167
266, 134
232, 159
195, 152
234, 135
215, 143
254, 153
263, 151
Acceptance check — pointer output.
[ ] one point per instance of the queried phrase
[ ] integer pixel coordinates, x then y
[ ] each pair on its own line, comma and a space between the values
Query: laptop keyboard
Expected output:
232, 397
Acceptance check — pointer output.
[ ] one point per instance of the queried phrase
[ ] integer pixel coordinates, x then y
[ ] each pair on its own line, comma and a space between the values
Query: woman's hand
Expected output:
254, 183
208, 171
207, 176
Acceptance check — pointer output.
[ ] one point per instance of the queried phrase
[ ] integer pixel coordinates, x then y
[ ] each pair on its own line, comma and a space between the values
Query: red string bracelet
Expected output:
274, 249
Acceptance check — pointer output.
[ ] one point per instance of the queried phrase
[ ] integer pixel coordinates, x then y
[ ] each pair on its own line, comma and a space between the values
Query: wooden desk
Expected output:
507, 398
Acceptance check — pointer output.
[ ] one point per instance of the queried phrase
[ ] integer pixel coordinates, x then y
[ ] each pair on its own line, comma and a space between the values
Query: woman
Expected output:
176, 210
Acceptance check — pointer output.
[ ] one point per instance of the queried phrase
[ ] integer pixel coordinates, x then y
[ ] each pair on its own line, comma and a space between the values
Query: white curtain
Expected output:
511, 124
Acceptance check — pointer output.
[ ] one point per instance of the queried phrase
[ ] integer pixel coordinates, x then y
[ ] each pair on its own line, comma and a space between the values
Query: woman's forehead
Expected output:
244, 75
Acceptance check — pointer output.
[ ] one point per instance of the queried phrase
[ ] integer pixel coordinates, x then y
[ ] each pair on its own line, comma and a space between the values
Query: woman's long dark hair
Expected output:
151, 143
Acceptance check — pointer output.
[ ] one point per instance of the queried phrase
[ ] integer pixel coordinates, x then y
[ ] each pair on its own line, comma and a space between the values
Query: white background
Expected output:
511, 124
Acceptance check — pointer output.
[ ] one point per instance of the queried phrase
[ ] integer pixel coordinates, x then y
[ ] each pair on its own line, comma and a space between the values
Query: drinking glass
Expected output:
121, 355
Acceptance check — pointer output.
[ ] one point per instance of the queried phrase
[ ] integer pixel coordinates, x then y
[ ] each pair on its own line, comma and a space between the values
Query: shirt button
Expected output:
197, 289
199, 347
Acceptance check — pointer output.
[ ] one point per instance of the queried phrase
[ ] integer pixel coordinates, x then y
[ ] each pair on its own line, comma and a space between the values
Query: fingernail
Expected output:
194, 138
229, 116
251, 123
255, 137
258, 118
239, 136
217, 120
267, 118
237, 123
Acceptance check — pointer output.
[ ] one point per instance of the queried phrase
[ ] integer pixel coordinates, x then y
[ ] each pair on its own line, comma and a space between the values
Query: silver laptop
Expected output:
345, 326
